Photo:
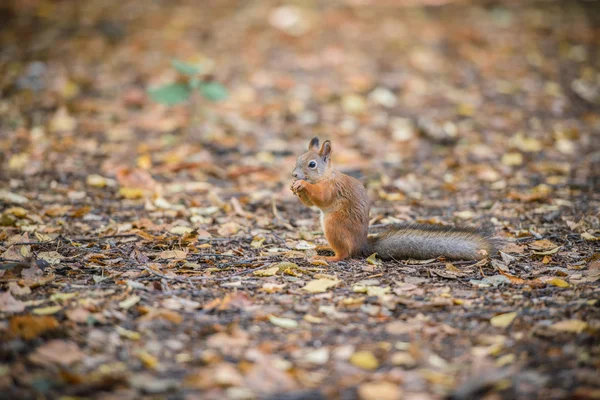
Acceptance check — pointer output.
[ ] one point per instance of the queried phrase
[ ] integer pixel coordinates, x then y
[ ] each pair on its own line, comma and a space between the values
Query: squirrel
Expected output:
344, 206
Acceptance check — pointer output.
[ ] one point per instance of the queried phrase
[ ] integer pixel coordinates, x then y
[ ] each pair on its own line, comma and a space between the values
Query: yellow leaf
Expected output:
19, 212
266, 272
319, 263
503, 320
99, 181
46, 310
319, 285
546, 260
283, 322
144, 161
126, 333
257, 242
558, 282
365, 360
512, 159
570, 325
129, 302
147, 359
63, 296
312, 319
372, 259
131, 193
505, 360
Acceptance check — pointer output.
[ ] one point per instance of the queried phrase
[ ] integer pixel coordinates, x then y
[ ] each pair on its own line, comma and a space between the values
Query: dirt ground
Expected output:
157, 252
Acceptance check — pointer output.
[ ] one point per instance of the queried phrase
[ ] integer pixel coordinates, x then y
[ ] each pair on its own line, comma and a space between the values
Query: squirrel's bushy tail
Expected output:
431, 241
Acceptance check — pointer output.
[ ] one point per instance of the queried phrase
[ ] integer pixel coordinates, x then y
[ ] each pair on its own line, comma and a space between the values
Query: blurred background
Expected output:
425, 100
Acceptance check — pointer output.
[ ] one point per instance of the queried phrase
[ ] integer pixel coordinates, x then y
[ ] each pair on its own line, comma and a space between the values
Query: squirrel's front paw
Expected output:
298, 186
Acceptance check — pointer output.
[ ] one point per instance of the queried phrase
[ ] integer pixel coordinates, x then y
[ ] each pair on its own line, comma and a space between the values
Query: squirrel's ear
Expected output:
325, 151
314, 143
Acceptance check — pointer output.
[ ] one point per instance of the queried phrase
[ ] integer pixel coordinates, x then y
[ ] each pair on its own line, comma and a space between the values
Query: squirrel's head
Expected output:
315, 163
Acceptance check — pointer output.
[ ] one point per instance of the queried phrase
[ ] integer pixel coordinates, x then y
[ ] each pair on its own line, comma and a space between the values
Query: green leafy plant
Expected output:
191, 81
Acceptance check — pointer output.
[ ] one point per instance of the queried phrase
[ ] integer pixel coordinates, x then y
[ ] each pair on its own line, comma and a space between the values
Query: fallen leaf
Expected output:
543, 244
18, 290
63, 296
319, 285
79, 315
589, 237
372, 259
46, 310
558, 282
10, 197
503, 320
173, 254
129, 302
317, 356
365, 360
266, 272
53, 257
570, 325
283, 322
128, 334
9, 304
379, 391
181, 230
304, 245
60, 352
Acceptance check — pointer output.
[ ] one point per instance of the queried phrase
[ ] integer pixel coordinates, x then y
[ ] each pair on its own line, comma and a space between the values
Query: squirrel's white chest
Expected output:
322, 220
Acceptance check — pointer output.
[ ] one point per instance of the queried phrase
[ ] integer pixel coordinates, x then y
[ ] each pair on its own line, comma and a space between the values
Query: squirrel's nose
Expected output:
295, 174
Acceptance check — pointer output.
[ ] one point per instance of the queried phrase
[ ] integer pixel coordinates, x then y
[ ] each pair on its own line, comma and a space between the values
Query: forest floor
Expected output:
157, 252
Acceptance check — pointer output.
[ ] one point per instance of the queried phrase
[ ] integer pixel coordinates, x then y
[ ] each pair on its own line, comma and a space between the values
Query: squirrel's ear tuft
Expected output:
325, 151
314, 143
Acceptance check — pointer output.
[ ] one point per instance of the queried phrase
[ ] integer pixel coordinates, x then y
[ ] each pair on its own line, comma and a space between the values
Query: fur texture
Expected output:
431, 241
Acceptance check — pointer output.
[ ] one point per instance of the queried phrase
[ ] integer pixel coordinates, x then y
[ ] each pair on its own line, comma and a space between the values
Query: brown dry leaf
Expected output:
542, 245
163, 313
59, 352
17, 290
589, 237
29, 327
225, 341
136, 178
173, 255
229, 229
513, 279
379, 391
264, 377
79, 315
9, 304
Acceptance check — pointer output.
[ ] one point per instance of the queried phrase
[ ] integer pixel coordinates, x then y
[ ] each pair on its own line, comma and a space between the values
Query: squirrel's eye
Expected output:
312, 164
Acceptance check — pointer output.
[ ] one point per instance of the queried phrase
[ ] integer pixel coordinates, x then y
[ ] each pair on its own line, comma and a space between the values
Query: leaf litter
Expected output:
153, 250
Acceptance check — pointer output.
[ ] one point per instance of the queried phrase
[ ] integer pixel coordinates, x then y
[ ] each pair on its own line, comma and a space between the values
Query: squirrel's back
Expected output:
421, 242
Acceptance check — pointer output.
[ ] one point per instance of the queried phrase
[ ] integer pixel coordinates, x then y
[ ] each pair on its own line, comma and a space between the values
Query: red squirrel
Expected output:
344, 207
